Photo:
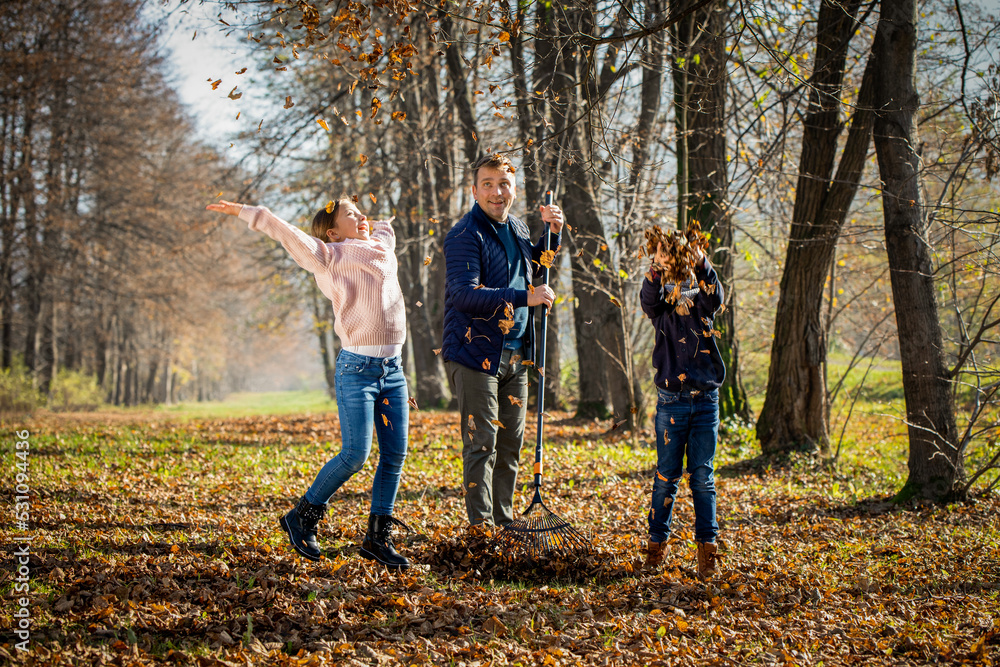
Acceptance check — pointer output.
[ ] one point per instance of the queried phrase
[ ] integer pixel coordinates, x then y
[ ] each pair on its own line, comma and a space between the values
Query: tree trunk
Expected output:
935, 464
700, 81
591, 311
796, 412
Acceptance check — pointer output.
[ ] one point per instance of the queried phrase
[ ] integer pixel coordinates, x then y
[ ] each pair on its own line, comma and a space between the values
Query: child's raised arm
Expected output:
227, 207
308, 252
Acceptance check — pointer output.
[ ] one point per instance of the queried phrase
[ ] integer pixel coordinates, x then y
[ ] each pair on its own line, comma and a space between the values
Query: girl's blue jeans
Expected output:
371, 393
687, 426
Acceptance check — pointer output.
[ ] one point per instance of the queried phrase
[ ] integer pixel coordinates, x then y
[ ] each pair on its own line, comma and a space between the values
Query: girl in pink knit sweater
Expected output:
354, 264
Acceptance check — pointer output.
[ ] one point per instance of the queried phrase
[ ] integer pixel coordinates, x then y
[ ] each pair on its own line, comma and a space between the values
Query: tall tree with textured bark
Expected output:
936, 468
796, 413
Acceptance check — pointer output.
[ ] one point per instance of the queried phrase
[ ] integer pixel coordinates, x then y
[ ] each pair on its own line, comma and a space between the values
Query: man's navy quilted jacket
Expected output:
476, 288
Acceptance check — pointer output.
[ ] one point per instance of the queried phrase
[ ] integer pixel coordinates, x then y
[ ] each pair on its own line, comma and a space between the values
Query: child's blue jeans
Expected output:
371, 392
687, 424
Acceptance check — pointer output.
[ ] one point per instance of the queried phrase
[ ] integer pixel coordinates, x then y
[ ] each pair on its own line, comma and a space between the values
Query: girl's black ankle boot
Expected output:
377, 545
300, 525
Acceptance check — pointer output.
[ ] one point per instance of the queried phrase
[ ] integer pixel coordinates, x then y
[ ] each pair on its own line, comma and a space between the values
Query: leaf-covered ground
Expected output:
154, 542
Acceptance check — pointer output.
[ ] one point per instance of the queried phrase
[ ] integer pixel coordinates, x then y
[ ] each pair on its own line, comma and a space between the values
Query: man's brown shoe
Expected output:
655, 553
706, 560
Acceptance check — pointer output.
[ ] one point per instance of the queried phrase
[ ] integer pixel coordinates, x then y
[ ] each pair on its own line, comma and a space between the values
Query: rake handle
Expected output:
541, 362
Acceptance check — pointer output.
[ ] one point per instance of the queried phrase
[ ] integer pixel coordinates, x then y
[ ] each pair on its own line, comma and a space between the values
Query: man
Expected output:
488, 317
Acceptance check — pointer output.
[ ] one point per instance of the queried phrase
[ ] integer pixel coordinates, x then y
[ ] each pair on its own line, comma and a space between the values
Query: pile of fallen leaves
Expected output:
474, 552
155, 543
682, 252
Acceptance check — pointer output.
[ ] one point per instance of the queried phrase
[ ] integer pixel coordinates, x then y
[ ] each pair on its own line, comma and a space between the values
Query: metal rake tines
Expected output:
537, 536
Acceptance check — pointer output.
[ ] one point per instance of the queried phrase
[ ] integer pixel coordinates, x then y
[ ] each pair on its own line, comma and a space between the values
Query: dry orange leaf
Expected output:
322, 123
514, 400
427, 260
471, 423
486, 364
496, 422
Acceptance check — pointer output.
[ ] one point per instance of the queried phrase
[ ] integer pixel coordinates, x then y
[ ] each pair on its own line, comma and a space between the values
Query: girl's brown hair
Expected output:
326, 219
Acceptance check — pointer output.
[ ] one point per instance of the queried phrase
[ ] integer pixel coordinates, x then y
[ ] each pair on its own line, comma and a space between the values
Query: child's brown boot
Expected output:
655, 553
707, 560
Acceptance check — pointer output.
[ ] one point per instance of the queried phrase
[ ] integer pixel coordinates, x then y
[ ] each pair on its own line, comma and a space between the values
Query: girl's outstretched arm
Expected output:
227, 207
308, 252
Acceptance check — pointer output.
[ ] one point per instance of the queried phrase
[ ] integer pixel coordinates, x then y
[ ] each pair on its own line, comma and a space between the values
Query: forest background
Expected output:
841, 155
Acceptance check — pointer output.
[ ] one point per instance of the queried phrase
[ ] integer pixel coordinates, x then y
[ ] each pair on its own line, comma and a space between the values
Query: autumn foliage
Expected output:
158, 542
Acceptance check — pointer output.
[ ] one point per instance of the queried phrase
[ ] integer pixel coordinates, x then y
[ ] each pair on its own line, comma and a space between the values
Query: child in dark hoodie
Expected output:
689, 372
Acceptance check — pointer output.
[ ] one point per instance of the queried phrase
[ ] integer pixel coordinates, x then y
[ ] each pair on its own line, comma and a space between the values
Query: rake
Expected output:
540, 532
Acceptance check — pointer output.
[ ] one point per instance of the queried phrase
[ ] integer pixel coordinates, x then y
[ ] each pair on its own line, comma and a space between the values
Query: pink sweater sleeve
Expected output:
308, 252
382, 229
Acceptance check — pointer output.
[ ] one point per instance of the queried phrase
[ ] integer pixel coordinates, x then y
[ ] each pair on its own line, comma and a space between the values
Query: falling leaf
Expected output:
682, 377
514, 400
399, 115
505, 326
413, 403
541, 371
486, 364
504, 36
472, 423
362, 159
617, 425
683, 341
233, 95
546, 258
385, 401
436, 351
468, 334
633, 409
376, 105
527, 362
472, 485
289, 104
329, 206
322, 123
427, 260
372, 197
420, 304
496, 422
242, 70
615, 301
215, 84
385, 420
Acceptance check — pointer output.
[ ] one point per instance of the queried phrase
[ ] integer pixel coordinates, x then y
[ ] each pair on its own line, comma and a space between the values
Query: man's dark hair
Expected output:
495, 160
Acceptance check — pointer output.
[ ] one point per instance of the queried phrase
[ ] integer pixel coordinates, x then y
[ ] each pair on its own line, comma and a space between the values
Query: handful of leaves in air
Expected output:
683, 253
